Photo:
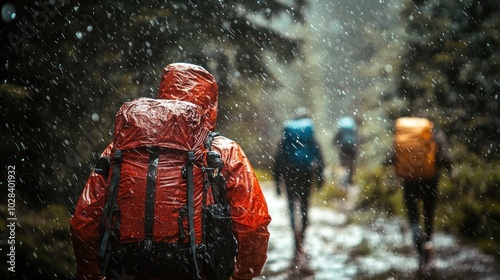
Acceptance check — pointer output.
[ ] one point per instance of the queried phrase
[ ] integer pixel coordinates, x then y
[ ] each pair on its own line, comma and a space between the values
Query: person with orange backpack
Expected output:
169, 198
420, 151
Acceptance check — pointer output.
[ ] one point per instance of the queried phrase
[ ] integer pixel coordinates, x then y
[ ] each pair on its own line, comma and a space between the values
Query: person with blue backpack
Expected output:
347, 141
298, 164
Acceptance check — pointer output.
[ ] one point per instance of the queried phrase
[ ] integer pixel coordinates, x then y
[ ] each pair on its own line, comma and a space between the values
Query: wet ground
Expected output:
339, 247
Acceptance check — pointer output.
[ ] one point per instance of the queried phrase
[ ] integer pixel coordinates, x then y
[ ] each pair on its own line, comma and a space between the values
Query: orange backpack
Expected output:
415, 149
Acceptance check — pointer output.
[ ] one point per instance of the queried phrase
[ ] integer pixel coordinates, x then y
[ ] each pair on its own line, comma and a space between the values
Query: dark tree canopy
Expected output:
441, 58
68, 66
451, 67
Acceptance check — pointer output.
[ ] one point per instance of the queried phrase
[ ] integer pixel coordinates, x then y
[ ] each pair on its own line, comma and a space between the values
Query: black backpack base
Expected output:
174, 260
157, 260
222, 247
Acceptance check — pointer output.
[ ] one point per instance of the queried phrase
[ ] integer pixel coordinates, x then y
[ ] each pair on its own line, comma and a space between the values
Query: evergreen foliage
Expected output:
67, 66
442, 59
451, 68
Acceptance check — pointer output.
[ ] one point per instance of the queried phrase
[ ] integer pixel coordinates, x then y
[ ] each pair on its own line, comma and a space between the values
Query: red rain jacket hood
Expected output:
189, 82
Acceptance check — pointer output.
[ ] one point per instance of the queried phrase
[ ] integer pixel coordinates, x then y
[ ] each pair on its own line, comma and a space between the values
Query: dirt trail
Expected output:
338, 248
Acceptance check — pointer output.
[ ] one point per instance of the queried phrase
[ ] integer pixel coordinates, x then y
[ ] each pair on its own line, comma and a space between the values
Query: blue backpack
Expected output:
298, 142
347, 129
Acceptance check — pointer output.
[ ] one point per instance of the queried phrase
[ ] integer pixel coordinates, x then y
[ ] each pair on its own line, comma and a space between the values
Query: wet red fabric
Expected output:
170, 196
176, 127
170, 124
188, 82
181, 82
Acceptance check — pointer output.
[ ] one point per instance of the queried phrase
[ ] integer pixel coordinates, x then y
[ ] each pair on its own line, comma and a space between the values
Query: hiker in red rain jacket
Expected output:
249, 213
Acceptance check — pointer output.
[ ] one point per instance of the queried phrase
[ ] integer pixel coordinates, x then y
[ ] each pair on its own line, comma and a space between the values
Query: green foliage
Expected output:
44, 236
64, 80
381, 192
330, 192
43, 250
467, 208
450, 67
263, 175
471, 207
442, 59
66, 68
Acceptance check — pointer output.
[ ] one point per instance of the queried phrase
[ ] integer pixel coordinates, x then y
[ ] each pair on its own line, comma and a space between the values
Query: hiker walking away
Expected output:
298, 163
346, 140
420, 151
175, 180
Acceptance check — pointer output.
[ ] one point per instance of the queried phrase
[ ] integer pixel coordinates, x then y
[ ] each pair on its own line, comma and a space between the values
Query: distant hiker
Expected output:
298, 163
346, 140
169, 199
420, 151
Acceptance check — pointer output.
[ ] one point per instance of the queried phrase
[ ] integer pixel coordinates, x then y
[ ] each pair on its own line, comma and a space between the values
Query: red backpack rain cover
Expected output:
157, 200
174, 126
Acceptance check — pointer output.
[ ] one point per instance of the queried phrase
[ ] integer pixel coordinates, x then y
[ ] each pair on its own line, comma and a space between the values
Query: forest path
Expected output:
339, 248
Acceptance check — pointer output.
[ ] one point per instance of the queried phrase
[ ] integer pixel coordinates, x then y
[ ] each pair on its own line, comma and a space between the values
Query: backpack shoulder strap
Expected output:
110, 207
154, 154
215, 165
190, 206
210, 139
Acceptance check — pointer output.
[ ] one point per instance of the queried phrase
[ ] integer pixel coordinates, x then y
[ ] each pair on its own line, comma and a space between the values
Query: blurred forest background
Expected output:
66, 67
